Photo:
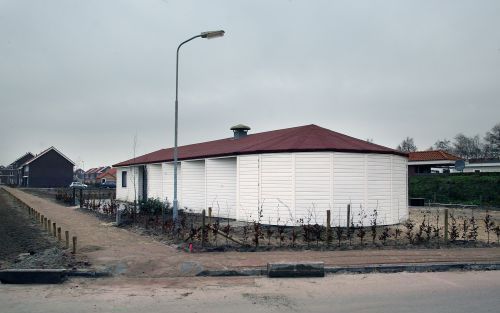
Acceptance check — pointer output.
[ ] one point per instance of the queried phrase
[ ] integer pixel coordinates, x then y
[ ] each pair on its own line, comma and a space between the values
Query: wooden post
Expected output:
203, 228
66, 234
54, 229
209, 223
49, 223
446, 225
328, 228
58, 233
44, 223
41, 219
74, 245
348, 216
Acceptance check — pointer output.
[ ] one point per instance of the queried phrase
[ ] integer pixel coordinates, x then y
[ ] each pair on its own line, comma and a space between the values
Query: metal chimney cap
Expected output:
240, 127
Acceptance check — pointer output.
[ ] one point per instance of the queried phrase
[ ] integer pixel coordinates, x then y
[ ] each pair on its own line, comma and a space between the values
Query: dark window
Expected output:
124, 179
477, 171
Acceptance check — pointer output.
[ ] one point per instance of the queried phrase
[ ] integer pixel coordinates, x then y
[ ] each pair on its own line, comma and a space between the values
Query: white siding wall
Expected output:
276, 187
248, 191
154, 176
292, 186
349, 186
221, 186
127, 193
313, 185
168, 183
193, 185
288, 186
378, 187
399, 189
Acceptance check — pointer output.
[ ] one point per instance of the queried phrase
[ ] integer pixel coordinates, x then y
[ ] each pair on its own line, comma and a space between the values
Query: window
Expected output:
124, 179
477, 171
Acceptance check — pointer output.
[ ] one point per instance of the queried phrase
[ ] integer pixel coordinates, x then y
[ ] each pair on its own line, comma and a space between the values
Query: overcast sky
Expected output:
86, 76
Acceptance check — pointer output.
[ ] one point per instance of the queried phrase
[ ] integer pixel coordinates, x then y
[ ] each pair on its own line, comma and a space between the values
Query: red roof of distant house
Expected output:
433, 155
297, 139
110, 171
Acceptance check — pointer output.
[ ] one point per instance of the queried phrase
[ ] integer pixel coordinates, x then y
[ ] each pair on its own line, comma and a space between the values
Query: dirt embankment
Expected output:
23, 244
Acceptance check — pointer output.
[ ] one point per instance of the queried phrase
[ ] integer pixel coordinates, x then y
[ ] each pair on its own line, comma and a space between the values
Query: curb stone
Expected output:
379, 268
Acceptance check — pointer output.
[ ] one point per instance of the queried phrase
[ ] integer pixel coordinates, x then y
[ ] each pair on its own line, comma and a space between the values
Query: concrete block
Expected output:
32, 276
307, 269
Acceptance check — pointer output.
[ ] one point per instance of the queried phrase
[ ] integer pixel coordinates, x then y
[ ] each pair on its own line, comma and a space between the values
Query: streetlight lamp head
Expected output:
212, 34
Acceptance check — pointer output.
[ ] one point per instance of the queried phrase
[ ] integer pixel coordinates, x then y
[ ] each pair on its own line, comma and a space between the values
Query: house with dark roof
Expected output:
9, 175
50, 168
426, 162
280, 175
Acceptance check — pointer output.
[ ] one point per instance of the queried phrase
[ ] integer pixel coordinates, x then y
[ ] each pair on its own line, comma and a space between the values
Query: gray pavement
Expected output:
403, 292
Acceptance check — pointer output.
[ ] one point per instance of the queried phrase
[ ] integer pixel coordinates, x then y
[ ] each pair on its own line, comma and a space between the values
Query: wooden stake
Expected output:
58, 233
66, 234
328, 228
54, 229
446, 225
74, 245
203, 228
348, 216
49, 223
209, 223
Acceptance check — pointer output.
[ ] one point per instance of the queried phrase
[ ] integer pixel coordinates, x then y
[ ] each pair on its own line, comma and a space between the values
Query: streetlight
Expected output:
207, 35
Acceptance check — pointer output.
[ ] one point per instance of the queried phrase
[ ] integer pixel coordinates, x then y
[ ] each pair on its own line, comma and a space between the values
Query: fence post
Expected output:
58, 233
49, 223
66, 234
74, 245
328, 228
209, 223
348, 216
54, 229
203, 228
446, 225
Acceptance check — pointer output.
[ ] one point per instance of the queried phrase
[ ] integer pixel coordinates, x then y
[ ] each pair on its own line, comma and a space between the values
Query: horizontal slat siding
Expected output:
193, 185
378, 167
248, 184
221, 186
168, 183
276, 186
348, 185
154, 176
399, 188
312, 186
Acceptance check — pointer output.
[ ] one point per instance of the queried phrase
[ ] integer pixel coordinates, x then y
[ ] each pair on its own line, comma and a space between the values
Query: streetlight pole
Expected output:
207, 35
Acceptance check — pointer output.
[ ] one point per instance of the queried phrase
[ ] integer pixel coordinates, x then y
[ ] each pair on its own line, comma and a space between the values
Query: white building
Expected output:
290, 174
482, 166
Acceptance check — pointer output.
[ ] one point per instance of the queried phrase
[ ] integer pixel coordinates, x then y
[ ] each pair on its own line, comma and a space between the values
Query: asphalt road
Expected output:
403, 292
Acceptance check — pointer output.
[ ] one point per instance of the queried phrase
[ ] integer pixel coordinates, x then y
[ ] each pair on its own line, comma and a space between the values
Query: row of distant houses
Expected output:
438, 161
96, 175
49, 168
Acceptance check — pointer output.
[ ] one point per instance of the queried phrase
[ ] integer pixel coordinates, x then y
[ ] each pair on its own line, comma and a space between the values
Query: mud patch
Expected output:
277, 301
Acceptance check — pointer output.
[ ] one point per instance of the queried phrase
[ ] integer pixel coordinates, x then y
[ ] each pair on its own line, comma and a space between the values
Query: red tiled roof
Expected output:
296, 139
433, 155
110, 171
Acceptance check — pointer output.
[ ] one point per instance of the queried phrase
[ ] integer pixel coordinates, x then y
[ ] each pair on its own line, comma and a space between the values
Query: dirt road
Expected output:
133, 255
404, 292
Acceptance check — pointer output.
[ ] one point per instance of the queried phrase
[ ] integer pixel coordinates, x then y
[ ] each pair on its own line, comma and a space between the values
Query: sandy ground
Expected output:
22, 243
132, 255
403, 292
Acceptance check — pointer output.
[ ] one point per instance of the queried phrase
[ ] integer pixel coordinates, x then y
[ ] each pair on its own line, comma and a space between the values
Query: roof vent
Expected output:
240, 131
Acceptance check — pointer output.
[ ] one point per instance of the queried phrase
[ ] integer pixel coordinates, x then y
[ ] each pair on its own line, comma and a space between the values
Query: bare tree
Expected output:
407, 145
444, 145
468, 147
492, 142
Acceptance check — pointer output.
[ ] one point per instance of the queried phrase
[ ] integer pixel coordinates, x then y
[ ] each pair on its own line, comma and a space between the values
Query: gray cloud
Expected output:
85, 76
